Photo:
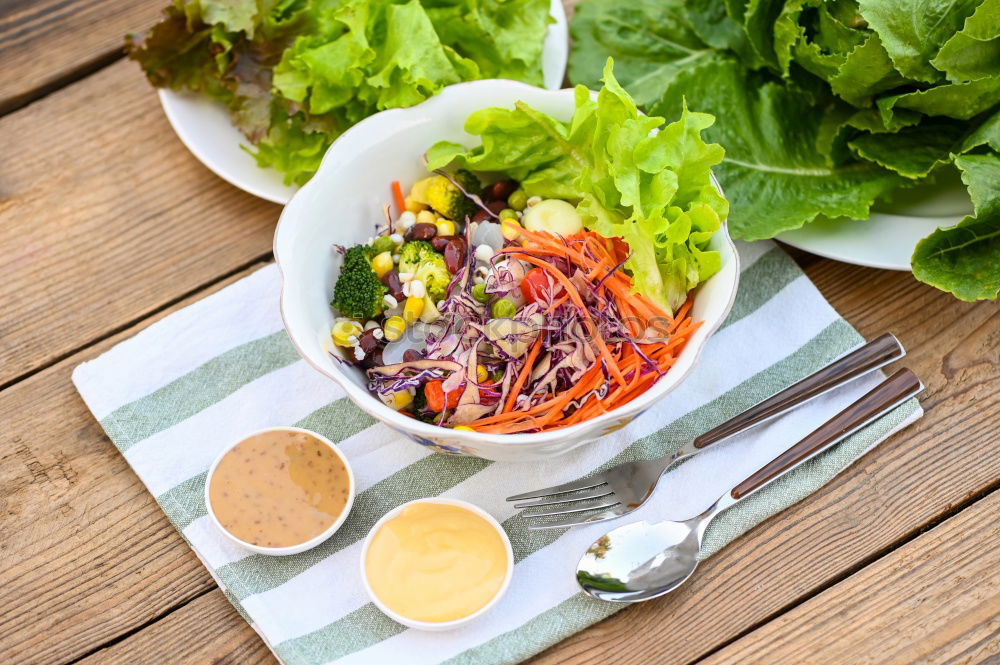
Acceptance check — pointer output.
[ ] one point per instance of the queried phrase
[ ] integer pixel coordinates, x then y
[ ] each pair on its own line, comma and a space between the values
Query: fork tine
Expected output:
574, 520
568, 511
582, 484
565, 497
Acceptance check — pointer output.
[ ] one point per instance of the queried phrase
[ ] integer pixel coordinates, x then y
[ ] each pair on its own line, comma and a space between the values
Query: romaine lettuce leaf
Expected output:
913, 31
912, 152
974, 52
953, 100
865, 72
965, 259
650, 41
774, 175
653, 191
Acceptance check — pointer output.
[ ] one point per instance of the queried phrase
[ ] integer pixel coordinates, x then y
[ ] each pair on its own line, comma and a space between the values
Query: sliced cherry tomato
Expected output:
535, 286
434, 392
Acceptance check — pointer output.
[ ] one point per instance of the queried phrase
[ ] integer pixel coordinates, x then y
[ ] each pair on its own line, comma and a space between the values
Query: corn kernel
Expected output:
426, 217
463, 428
401, 399
394, 328
412, 310
382, 263
413, 206
344, 331
445, 227
510, 229
481, 374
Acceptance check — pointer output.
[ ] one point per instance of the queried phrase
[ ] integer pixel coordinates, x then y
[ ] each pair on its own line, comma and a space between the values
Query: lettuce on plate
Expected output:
296, 73
652, 189
823, 106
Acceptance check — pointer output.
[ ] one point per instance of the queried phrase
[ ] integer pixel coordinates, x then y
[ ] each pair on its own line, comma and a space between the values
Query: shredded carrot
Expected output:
522, 376
622, 371
397, 196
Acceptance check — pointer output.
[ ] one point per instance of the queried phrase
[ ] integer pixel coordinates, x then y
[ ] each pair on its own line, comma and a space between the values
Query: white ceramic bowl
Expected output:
291, 549
342, 203
438, 625
205, 127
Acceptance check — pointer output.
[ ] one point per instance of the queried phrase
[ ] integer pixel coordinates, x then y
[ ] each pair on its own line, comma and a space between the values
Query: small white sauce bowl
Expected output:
438, 625
291, 549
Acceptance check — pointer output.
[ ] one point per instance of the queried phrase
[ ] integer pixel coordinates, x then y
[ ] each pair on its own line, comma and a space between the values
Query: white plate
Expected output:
204, 126
887, 238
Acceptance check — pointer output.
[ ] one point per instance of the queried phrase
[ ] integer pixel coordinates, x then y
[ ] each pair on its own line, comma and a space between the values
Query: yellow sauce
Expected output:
435, 562
279, 488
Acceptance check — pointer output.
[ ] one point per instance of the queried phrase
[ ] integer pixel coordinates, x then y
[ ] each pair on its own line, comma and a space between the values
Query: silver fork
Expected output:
623, 488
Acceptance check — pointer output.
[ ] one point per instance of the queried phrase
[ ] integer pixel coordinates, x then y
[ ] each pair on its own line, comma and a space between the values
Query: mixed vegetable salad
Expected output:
540, 279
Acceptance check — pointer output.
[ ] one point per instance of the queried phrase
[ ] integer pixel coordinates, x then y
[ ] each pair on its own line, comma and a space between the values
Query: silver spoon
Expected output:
641, 561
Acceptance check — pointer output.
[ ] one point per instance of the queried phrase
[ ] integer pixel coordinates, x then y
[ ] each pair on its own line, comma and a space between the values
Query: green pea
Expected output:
479, 293
504, 309
508, 213
518, 200
383, 244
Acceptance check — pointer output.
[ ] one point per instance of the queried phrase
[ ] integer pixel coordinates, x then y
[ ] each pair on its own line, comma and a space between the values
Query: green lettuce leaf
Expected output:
650, 41
296, 73
953, 100
965, 259
652, 191
503, 38
914, 151
773, 174
913, 31
987, 133
865, 72
974, 52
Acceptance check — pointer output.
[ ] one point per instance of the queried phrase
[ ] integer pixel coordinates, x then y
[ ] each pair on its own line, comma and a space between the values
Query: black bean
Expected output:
373, 359
421, 231
495, 206
411, 355
440, 242
501, 189
454, 254
390, 280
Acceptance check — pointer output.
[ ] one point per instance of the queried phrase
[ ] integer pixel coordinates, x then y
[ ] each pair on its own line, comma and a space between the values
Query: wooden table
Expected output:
107, 224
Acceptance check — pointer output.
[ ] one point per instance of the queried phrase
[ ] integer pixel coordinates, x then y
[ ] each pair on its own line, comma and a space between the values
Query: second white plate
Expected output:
205, 129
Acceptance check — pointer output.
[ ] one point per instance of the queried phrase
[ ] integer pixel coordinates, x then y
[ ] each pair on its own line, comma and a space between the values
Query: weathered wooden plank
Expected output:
934, 600
206, 630
43, 43
105, 216
87, 553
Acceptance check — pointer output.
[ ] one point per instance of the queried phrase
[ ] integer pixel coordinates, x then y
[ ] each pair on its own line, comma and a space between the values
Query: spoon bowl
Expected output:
640, 561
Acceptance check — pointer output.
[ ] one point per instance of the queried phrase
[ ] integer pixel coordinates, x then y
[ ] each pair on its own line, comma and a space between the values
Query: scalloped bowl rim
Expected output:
365, 134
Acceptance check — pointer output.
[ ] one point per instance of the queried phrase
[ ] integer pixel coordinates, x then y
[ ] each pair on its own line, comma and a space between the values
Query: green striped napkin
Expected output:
174, 395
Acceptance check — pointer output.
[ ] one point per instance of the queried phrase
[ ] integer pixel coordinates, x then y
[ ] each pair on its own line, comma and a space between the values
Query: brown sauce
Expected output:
279, 489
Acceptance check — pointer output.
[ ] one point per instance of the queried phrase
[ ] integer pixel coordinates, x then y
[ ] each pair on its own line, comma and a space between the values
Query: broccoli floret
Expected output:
440, 194
435, 277
416, 252
427, 265
358, 292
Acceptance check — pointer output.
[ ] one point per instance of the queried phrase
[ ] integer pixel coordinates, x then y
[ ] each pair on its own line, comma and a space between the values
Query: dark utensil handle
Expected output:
876, 353
889, 394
